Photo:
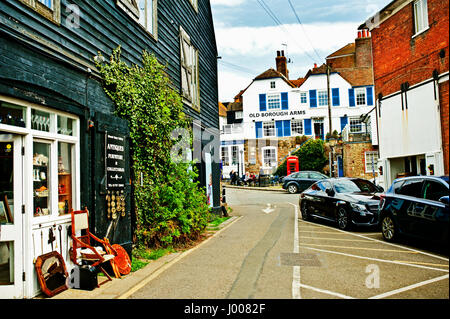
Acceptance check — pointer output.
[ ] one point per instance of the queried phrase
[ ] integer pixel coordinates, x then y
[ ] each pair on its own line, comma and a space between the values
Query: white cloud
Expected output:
258, 41
231, 83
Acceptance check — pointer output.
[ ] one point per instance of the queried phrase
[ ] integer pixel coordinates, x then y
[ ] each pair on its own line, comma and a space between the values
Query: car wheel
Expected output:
343, 219
292, 189
304, 211
388, 229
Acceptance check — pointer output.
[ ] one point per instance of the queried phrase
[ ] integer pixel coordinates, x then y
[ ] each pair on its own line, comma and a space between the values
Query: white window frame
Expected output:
356, 123
234, 155
52, 13
360, 97
420, 16
239, 115
143, 16
266, 163
273, 84
322, 98
296, 127
52, 138
190, 75
225, 156
194, 3
269, 127
368, 161
274, 101
303, 97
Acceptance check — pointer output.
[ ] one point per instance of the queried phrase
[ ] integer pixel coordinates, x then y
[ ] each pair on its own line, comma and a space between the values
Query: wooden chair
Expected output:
82, 250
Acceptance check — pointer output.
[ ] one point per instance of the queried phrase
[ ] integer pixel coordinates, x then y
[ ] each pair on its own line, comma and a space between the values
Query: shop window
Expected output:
12, 114
6, 263
6, 183
40, 121
41, 178
65, 125
50, 9
64, 178
234, 155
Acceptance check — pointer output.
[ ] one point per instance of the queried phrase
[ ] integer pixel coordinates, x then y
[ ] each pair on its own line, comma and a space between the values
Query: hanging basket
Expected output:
122, 260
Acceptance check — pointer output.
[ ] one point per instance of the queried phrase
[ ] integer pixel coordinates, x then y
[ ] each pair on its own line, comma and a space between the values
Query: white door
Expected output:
11, 242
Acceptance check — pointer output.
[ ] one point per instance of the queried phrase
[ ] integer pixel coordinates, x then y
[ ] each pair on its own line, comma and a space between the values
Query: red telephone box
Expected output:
292, 164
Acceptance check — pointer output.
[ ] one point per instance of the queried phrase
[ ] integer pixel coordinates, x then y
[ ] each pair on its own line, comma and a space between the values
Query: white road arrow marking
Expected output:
268, 210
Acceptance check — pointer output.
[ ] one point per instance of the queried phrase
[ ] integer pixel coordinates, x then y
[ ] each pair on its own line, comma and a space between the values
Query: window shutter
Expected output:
351, 97
344, 122
335, 95
258, 128
287, 127
279, 127
262, 103
308, 129
312, 98
186, 68
284, 101
369, 91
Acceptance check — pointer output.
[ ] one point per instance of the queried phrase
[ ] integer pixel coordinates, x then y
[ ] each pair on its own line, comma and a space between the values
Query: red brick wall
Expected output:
400, 58
443, 97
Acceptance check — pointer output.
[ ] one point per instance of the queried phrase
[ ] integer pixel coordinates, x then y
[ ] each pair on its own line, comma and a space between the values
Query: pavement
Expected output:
121, 288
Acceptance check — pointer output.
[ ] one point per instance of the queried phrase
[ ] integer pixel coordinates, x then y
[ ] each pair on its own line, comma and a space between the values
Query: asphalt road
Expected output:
270, 252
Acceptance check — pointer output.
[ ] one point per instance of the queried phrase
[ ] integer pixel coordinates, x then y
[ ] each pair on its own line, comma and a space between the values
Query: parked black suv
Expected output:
416, 206
299, 181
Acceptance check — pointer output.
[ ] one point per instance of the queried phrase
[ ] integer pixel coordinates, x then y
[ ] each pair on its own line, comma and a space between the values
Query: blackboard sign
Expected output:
115, 161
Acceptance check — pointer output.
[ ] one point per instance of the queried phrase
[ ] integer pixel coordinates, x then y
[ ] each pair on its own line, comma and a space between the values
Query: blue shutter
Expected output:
335, 95
287, 127
262, 103
284, 101
258, 127
312, 98
351, 97
308, 129
279, 128
344, 121
369, 91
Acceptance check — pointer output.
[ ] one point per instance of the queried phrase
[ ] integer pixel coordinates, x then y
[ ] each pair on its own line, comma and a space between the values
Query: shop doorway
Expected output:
11, 241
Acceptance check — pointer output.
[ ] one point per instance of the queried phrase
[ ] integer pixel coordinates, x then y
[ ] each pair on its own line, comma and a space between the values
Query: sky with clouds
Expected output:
250, 32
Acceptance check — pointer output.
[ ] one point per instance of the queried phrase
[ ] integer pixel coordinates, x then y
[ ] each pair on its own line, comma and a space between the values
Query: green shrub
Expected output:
170, 206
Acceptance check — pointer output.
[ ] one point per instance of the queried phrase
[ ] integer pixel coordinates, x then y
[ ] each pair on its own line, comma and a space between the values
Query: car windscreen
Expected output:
354, 186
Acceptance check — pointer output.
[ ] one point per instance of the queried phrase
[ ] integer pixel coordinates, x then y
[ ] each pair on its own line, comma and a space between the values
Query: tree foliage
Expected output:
170, 206
311, 156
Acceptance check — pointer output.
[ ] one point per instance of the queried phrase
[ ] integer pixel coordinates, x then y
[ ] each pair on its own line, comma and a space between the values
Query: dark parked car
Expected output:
416, 206
299, 181
347, 201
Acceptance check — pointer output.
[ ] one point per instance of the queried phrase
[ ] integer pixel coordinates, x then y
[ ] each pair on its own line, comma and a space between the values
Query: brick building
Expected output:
410, 46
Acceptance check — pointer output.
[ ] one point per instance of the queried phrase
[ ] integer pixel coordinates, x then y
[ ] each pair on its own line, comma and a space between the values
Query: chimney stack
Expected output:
281, 63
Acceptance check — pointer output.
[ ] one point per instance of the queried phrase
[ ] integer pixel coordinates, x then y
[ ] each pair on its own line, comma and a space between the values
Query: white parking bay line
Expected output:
376, 259
324, 291
381, 241
296, 269
400, 290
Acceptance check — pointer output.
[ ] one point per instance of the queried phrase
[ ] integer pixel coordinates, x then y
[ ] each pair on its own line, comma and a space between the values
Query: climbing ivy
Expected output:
171, 207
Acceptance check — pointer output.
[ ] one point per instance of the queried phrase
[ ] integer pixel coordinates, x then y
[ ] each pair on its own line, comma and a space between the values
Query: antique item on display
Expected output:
52, 273
82, 250
60, 238
122, 260
51, 237
8, 209
83, 277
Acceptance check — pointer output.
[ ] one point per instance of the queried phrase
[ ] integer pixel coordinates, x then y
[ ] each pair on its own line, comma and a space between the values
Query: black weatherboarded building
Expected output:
56, 121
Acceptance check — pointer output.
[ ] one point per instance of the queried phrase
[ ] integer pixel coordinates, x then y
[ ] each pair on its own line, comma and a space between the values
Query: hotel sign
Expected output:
115, 161
276, 114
